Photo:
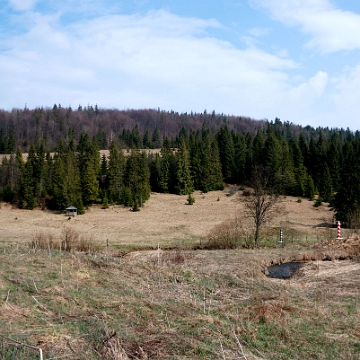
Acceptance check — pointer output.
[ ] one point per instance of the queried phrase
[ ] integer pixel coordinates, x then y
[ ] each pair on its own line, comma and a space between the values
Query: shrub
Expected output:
73, 241
227, 235
42, 240
247, 192
69, 238
190, 200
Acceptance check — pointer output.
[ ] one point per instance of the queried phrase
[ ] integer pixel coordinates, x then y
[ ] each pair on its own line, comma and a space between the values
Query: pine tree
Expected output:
240, 158
309, 188
146, 140
155, 173
272, 157
249, 157
156, 139
137, 177
347, 199
334, 159
198, 160
89, 166
227, 151
136, 140
326, 191
41, 171
167, 161
115, 174
184, 183
304, 150
216, 177
300, 175
28, 182
258, 149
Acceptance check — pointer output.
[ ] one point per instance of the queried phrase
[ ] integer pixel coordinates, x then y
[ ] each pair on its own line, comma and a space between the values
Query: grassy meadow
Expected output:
112, 284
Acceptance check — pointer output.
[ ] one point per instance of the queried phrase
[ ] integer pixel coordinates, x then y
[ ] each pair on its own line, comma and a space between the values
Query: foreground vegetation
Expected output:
179, 304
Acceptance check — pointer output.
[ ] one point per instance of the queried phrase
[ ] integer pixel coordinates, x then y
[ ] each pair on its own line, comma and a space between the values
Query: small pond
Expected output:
283, 271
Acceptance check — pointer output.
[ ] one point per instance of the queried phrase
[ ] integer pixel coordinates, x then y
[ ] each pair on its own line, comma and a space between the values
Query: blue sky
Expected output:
298, 60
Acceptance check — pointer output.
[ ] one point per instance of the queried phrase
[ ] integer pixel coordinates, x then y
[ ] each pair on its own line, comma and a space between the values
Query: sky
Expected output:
297, 60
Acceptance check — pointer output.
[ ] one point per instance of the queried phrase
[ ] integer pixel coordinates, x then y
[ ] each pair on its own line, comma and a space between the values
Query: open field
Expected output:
166, 220
180, 303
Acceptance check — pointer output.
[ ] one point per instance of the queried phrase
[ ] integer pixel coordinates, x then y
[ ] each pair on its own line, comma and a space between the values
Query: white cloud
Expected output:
308, 92
23, 5
347, 90
131, 61
162, 60
330, 29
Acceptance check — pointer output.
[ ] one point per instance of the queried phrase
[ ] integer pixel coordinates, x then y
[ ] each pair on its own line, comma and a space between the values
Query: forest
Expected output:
198, 151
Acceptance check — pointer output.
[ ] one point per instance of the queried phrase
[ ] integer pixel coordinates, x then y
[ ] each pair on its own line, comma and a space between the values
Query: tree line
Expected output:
302, 162
135, 128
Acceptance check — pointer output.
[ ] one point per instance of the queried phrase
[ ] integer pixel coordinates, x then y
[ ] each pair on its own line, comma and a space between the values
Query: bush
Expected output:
43, 240
227, 235
247, 192
73, 241
70, 240
190, 200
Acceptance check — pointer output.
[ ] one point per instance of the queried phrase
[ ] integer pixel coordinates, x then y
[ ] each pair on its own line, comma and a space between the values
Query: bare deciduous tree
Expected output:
260, 204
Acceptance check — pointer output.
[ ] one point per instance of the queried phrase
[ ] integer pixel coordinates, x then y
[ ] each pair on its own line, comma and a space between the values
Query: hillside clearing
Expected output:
166, 220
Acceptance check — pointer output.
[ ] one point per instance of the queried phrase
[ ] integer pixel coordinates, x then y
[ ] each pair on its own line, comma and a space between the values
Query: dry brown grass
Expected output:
70, 240
179, 303
189, 305
164, 219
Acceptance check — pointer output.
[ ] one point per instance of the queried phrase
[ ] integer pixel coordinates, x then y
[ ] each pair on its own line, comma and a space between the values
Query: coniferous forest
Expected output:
197, 152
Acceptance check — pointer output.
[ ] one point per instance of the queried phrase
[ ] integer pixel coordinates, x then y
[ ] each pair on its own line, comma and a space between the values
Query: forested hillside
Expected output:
198, 152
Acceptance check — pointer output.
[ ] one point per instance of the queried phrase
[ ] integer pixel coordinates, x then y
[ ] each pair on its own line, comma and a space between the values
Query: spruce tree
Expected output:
216, 177
326, 191
227, 152
89, 166
184, 183
156, 139
347, 199
198, 160
115, 173
28, 182
167, 161
240, 159
137, 177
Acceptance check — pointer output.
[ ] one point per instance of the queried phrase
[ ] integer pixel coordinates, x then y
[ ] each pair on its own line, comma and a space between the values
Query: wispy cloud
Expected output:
129, 61
331, 29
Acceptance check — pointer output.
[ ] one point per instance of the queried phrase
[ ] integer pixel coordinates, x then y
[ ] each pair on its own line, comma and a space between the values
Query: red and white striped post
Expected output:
339, 231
